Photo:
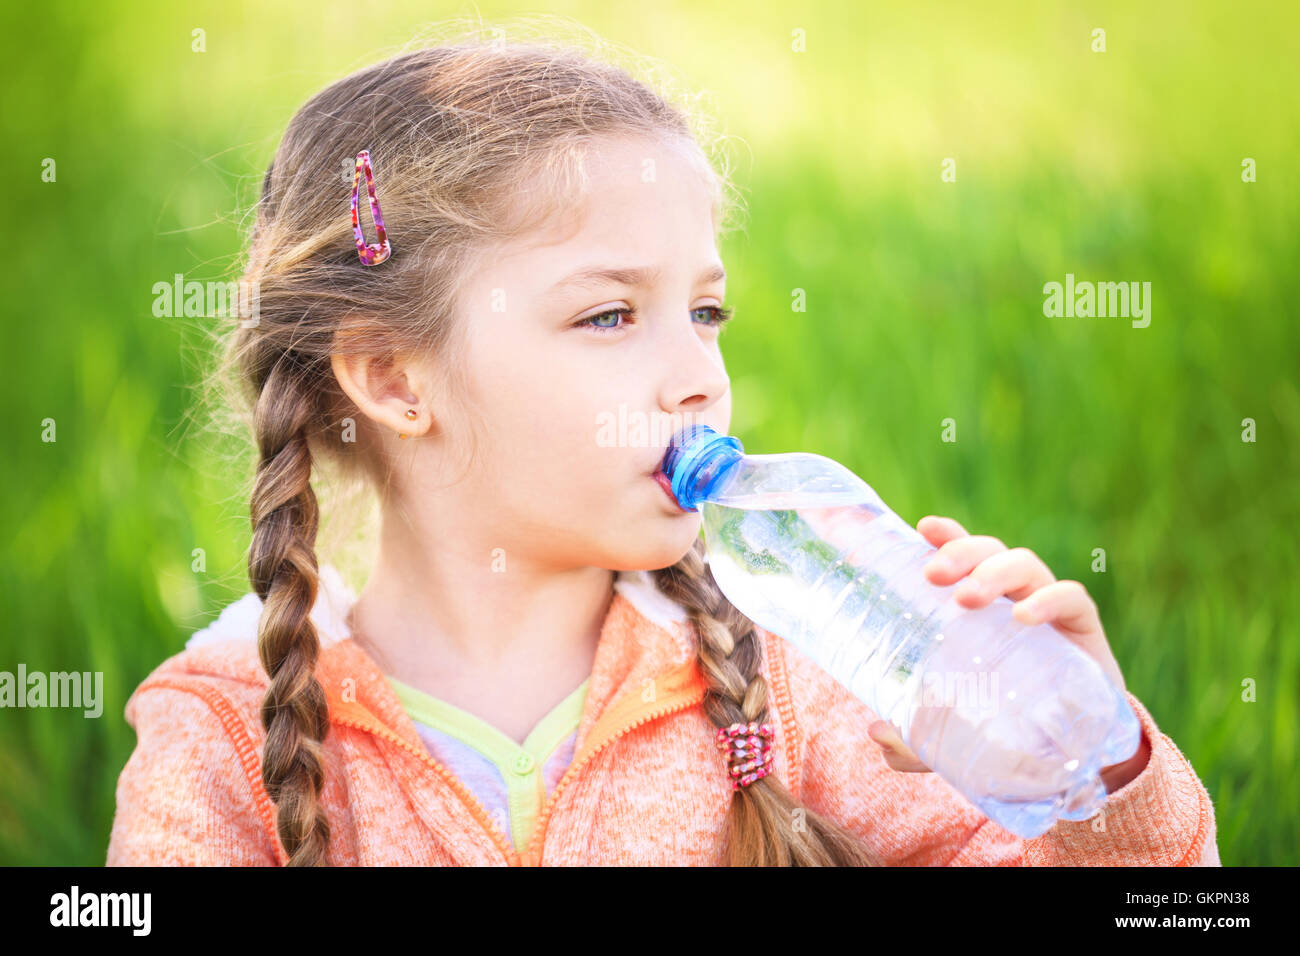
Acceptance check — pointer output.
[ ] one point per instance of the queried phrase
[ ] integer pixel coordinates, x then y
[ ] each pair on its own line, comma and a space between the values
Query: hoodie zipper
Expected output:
532, 853
475, 805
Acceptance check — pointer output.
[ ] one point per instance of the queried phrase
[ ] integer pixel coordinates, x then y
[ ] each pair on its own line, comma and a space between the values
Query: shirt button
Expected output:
523, 764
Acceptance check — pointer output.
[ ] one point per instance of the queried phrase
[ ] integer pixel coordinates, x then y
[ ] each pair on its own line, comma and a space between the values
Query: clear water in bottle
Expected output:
1016, 718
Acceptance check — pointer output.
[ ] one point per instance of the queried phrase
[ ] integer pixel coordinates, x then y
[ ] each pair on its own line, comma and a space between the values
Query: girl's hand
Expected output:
1021, 575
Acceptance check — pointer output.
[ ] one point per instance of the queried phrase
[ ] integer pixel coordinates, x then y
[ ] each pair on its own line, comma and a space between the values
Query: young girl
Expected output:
540, 668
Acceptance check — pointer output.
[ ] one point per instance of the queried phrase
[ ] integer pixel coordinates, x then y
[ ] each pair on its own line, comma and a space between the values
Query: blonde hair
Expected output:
451, 129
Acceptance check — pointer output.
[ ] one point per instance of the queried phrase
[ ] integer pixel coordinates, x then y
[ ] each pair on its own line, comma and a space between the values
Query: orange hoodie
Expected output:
646, 786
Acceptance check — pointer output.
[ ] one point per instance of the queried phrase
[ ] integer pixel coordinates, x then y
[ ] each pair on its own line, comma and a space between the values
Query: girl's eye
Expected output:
595, 320
716, 317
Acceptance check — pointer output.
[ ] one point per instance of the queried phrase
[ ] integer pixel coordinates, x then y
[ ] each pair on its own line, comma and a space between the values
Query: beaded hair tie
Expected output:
749, 747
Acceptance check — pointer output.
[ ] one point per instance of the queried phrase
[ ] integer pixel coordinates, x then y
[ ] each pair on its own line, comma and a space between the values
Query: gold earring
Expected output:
412, 414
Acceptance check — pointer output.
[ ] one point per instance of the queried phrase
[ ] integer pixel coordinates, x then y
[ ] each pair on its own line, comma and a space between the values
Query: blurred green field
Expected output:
924, 303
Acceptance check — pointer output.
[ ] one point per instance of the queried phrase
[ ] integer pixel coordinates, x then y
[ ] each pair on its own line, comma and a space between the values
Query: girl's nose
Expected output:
695, 377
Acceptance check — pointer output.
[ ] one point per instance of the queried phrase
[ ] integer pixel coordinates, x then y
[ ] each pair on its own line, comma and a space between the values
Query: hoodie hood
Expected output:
644, 637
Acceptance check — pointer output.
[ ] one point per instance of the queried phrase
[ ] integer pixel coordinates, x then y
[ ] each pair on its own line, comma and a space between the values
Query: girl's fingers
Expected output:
1066, 605
1017, 573
958, 557
897, 754
939, 530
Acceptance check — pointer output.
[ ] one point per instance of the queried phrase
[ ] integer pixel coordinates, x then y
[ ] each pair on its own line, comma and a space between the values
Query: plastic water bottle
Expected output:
1016, 718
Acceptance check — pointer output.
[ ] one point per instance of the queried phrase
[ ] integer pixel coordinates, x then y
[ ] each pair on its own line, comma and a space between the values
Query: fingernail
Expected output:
1027, 612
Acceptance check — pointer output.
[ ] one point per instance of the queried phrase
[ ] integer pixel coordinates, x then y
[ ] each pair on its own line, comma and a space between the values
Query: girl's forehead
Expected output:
617, 218
637, 200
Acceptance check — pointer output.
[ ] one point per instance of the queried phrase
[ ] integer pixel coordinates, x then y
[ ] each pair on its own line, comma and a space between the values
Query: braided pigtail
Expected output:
760, 828
282, 568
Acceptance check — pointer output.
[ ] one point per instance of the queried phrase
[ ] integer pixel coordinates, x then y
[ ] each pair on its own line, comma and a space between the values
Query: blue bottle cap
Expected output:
689, 452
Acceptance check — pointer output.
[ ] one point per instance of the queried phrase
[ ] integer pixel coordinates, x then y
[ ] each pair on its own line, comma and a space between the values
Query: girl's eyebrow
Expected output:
630, 276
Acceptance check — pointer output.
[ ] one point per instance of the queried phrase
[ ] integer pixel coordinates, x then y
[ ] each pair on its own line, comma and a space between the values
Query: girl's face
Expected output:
574, 417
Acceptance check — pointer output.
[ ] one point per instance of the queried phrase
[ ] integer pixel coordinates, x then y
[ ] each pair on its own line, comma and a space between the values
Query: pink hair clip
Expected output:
371, 253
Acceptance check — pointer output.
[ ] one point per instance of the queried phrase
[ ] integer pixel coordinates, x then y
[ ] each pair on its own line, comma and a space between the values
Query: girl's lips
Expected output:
662, 481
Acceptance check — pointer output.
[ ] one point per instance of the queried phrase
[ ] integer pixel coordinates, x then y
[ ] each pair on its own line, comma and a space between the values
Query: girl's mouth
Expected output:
662, 481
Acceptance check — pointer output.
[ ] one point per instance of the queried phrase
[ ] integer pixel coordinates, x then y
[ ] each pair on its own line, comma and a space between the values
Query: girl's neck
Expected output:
452, 627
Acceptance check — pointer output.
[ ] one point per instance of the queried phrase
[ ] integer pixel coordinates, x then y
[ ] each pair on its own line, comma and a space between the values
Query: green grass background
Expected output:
924, 303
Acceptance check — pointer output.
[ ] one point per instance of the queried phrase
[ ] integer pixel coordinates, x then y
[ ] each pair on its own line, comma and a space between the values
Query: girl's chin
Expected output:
660, 548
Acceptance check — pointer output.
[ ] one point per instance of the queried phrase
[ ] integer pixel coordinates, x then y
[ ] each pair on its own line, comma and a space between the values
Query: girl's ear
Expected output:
384, 393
